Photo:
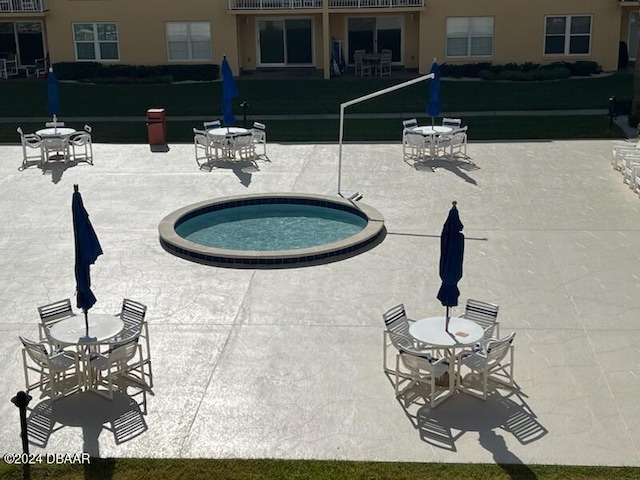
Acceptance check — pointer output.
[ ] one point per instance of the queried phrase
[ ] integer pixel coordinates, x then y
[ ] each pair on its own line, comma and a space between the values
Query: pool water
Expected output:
271, 227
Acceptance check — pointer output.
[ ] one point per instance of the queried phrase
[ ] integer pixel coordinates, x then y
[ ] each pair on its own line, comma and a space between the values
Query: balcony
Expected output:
273, 4
22, 6
317, 4
375, 3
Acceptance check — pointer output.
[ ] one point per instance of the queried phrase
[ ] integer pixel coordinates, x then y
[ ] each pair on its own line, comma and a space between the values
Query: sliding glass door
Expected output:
374, 34
285, 42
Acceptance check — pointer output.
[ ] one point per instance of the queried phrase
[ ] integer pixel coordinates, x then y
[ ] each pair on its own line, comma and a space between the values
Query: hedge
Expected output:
521, 71
92, 71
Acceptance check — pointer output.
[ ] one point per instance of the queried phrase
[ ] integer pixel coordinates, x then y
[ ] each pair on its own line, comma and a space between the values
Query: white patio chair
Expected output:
123, 361
411, 123
3, 69
203, 146
81, 145
458, 141
259, 132
56, 145
396, 321
629, 163
384, 67
494, 363
243, 146
58, 373
451, 122
133, 316
415, 146
31, 148
484, 314
212, 124
361, 68
421, 367
620, 150
51, 314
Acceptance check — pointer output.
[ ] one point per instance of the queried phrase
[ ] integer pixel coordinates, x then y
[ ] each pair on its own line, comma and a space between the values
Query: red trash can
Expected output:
157, 126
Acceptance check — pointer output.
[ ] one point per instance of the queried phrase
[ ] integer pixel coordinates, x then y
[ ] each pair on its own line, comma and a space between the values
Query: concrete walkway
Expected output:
288, 363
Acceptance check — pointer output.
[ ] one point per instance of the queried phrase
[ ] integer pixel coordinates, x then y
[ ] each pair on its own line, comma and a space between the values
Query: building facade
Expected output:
281, 34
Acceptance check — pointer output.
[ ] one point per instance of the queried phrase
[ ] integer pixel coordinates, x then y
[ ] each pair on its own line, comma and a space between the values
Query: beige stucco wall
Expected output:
518, 34
519, 29
141, 27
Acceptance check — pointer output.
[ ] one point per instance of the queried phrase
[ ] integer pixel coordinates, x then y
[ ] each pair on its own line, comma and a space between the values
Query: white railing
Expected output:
273, 4
375, 3
12, 6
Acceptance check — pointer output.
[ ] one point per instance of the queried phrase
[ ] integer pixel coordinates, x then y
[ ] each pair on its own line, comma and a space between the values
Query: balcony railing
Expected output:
273, 4
290, 4
375, 3
19, 6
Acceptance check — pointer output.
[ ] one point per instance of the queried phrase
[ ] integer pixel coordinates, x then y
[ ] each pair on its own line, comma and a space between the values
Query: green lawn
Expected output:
170, 469
27, 97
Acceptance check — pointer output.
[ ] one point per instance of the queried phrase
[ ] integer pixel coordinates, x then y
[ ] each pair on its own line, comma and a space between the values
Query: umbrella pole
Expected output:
86, 321
446, 321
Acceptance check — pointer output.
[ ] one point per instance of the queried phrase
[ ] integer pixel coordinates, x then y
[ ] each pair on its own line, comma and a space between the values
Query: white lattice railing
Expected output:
286, 4
375, 3
11, 6
273, 4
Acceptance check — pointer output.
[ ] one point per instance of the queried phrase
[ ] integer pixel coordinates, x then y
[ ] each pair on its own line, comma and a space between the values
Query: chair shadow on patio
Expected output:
455, 165
242, 169
461, 414
123, 417
57, 168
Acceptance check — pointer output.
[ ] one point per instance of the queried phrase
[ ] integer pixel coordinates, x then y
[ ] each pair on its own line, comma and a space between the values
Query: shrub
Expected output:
132, 80
521, 71
97, 72
584, 68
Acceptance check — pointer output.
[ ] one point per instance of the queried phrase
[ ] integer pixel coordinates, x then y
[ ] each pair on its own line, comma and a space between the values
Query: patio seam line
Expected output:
214, 368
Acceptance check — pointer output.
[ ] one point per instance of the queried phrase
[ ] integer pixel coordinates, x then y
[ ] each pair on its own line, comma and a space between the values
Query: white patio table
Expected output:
64, 131
227, 133
72, 331
461, 332
433, 132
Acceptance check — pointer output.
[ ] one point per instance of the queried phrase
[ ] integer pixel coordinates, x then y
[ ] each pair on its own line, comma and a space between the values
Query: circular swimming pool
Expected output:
271, 230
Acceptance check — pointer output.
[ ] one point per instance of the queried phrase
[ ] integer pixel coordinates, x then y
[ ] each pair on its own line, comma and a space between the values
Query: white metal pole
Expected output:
362, 99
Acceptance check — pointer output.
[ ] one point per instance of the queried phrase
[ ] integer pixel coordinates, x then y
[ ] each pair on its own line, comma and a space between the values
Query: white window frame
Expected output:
259, 62
469, 37
96, 42
189, 42
567, 36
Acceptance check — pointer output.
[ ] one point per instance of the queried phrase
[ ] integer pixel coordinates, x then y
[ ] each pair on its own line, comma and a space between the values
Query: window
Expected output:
567, 35
189, 40
96, 41
469, 36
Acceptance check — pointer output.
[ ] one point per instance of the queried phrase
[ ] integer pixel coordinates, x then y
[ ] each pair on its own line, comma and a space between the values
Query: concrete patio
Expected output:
288, 363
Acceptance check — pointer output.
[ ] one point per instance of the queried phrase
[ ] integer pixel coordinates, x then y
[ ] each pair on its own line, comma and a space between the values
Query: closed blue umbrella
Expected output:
229, 92
433, 109
87, 249
53, 96
451, 257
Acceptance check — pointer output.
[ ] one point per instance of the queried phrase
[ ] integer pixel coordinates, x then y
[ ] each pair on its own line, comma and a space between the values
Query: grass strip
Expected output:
242, 469
358, 130
27, 97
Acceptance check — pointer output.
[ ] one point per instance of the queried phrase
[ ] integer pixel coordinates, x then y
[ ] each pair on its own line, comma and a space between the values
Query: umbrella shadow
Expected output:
462, 414
456, 165
242, 169
123, 416
57, 168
